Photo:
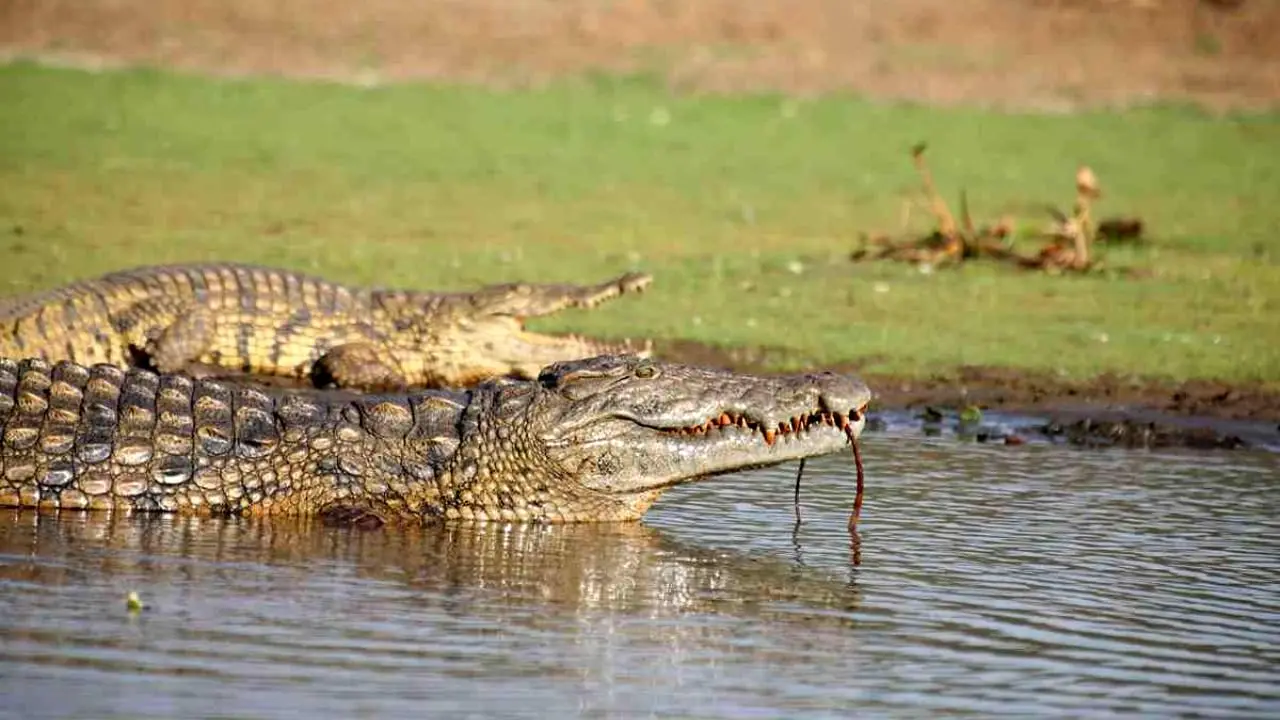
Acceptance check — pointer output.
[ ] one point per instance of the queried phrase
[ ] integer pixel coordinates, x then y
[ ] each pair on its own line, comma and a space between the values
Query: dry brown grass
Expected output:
1043, 54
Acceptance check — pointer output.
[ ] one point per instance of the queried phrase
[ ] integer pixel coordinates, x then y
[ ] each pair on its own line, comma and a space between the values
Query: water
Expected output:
1034, 580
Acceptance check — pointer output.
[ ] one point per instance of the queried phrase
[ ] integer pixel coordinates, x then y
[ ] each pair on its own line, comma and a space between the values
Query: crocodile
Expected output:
596, 439
270, 322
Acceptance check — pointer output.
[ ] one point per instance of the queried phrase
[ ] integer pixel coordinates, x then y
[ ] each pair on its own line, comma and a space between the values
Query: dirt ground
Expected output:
1043, 54
1023, 391
1049, 55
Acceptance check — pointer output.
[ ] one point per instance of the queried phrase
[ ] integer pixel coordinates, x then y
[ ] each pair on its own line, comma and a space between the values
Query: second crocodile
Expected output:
590, 440
273, 322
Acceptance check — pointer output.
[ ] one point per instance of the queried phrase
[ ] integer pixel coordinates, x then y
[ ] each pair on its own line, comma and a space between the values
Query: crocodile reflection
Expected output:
590, 567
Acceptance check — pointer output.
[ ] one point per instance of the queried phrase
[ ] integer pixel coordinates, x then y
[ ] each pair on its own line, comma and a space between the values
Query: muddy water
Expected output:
1033, 580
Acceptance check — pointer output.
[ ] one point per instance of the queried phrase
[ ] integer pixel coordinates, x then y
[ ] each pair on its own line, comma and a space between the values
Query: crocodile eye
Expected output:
646, 371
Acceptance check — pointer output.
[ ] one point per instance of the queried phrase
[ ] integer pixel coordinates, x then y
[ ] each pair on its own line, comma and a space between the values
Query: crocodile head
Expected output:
462, 339
601, 438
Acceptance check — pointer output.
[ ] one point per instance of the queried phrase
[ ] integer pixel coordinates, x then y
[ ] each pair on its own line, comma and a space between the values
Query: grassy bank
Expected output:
745, 208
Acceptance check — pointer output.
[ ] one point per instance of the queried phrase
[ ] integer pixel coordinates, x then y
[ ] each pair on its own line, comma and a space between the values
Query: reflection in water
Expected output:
593, 567
1033, 580
240, 600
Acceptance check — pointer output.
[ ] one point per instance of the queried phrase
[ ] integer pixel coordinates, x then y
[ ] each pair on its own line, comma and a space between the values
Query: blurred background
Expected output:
1030, 53
741, 151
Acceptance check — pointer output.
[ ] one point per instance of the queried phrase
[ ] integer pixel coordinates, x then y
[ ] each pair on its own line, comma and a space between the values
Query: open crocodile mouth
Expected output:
796, 424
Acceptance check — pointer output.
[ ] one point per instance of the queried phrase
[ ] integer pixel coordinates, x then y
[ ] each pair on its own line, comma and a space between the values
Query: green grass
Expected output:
744, 207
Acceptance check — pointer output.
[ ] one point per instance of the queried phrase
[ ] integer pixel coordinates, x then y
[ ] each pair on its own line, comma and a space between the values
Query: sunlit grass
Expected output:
745, 208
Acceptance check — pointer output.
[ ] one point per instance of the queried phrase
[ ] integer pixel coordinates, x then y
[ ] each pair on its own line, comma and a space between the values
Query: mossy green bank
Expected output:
745, 208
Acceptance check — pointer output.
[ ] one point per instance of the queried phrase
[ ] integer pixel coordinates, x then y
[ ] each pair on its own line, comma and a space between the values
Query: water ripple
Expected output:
1033, 580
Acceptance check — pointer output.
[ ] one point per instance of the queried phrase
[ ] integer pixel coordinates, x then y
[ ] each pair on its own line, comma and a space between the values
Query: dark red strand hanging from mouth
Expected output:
799, 474
857, 498
856, 513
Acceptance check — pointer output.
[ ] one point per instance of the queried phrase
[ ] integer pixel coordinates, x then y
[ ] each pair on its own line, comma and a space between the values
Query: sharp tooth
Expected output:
841, 422
742, 422
768, 437
784, 428
725, 419
795, 424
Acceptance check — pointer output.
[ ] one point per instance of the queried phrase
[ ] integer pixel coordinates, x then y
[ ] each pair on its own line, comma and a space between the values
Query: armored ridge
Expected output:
589, 440
279, 323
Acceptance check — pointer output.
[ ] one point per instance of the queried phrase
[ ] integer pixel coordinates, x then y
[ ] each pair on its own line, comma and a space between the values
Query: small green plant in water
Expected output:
133, 602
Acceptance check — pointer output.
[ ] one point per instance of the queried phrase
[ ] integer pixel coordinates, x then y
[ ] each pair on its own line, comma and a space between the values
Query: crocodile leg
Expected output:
357, 365
176, 345
189, 337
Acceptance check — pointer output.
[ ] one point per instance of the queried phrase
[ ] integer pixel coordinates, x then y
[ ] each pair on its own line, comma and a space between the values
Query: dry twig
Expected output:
1070, 241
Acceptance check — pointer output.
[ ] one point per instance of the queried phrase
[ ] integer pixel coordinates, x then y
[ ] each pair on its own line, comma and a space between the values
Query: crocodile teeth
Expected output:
790, 426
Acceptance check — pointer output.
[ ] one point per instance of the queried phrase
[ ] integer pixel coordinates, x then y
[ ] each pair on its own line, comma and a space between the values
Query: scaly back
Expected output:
96, 320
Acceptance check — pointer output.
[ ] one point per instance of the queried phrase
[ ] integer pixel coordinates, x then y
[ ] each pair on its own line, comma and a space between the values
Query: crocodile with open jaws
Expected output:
272, 322
589, 440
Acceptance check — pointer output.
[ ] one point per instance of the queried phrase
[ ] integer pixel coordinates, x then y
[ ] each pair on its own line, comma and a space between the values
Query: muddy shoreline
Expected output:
1022, 391
1105, 411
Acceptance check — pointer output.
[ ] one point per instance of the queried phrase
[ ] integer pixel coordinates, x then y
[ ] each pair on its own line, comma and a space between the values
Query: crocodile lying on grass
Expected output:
272, 322
590, 440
